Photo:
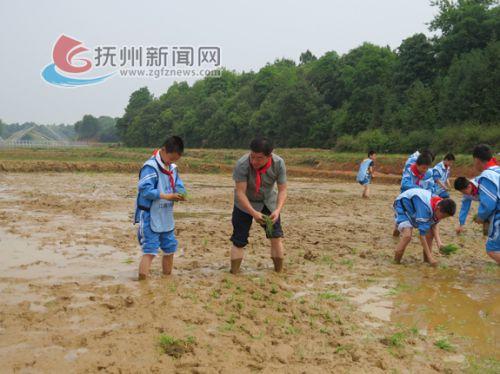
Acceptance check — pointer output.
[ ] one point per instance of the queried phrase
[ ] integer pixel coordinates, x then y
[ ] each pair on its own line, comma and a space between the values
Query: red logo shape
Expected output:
64, 50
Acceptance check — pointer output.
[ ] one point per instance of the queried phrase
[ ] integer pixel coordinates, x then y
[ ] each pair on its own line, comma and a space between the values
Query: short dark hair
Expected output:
371, 153
431, 154
461, 183
261, 145
424, 159
447, 206
449, 157
174, 144
482, 152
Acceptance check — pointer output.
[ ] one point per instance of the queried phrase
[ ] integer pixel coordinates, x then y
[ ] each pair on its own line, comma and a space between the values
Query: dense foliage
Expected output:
441, 92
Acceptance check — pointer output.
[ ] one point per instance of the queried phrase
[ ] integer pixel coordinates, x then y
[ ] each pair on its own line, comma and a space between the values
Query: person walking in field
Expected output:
365, 173
255, 176
158, 188
489, 197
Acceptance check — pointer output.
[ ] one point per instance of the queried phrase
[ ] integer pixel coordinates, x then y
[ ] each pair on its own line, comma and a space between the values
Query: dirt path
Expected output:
68, 257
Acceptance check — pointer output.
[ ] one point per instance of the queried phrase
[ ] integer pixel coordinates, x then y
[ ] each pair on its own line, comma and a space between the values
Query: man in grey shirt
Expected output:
255, 176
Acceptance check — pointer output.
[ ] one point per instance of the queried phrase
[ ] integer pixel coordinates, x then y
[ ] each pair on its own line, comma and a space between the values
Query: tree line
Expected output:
439, 92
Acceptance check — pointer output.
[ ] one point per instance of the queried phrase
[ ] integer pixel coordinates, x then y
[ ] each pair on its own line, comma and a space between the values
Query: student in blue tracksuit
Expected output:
418, 174
470, 191
441, 174
413, 158
489, 197
365, 173
417, 208
158, 188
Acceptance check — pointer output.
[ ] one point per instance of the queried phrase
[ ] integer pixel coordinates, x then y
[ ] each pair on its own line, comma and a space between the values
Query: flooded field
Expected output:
70, 302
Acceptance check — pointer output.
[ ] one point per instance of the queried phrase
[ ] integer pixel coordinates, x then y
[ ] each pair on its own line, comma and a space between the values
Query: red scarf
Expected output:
435, 200
415, 171
163, 169
492, 162
259, 172
474, 190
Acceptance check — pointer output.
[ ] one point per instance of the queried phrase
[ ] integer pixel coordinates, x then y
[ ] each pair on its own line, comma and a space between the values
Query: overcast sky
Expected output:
249, 33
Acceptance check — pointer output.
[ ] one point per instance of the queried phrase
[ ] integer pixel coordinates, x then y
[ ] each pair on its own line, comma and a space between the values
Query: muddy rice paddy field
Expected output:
70, 301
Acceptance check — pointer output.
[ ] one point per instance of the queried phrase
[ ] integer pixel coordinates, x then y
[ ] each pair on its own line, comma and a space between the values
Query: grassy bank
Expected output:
300, 161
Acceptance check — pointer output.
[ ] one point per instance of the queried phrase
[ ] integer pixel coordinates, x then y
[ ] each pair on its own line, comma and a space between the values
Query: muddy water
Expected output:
67, 259
25, 259
461, 302
447, 302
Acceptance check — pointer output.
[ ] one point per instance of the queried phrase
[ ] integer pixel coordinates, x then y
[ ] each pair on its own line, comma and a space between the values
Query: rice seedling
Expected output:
182, 192
449, 249
268, 223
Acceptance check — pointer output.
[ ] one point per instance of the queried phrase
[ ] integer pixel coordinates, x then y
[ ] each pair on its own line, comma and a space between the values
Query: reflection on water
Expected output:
463, 302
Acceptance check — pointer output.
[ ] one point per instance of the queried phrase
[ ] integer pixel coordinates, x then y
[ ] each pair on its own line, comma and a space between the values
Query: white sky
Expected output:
250, 34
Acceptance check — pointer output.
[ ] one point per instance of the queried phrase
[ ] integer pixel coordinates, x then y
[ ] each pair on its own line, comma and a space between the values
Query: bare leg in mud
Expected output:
429, 238
366, 192
495, 256
395, 232
236, 259
167, 263
144, 266
277, 254
403, 243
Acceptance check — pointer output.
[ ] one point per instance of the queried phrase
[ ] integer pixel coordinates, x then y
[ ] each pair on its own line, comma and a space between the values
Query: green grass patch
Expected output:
444, 344
330, 296
176, 347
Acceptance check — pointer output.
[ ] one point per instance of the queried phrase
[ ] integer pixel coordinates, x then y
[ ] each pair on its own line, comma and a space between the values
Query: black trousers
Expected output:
242, 222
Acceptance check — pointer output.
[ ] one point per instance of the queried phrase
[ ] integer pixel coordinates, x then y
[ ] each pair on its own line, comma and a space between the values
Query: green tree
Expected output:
470, 89
307, 57
87, 128
415, 62
464, 25
138, 101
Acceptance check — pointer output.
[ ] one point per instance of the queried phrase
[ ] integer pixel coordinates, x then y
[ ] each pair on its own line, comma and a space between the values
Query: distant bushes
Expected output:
459, 139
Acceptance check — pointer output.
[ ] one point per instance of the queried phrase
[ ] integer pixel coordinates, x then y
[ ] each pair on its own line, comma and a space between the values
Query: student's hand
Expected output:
460, 229
257, 216
275, 215
478, 220
173, 197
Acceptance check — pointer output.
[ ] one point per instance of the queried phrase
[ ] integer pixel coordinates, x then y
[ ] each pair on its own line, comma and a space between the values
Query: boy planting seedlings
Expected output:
470, 191
158, 188
417, 208
255, 198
